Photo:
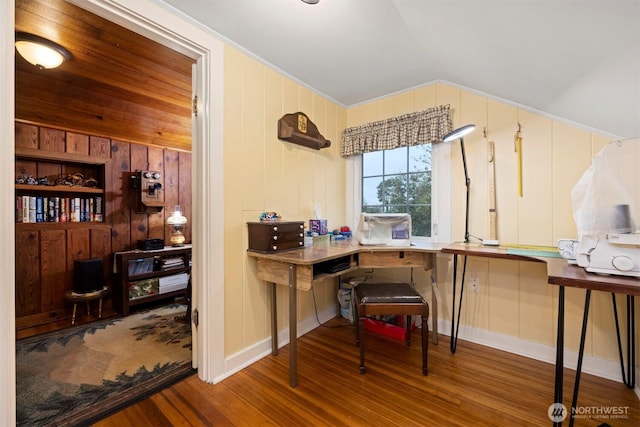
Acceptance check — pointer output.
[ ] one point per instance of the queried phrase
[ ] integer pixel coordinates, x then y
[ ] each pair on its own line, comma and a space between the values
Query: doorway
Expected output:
149, 19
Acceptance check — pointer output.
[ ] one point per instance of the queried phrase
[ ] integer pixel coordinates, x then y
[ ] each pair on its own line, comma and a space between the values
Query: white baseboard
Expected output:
603, 368
599, 367
246, 357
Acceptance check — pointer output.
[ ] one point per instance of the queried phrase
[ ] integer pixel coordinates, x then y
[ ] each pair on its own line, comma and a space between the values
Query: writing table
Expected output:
560, 273
304, 267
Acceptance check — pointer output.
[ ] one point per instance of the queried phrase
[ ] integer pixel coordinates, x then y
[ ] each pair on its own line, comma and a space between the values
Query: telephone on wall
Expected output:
149, 192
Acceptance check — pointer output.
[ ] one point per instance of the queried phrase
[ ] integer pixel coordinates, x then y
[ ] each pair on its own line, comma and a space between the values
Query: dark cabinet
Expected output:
146, 276
275, 236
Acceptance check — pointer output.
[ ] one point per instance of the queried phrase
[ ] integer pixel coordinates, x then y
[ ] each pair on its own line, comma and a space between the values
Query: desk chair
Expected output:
400, 299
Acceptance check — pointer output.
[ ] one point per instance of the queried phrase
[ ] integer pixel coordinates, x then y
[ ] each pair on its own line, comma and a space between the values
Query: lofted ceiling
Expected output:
578, 60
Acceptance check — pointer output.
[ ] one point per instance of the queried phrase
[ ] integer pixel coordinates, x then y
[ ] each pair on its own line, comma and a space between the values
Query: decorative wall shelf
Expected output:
298, 129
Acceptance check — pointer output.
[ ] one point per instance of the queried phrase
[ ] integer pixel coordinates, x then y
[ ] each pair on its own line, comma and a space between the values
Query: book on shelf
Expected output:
40, 209
59, 209
170, 263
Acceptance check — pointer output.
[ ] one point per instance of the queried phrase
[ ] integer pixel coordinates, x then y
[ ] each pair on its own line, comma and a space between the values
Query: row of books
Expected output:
140, 266
59, 209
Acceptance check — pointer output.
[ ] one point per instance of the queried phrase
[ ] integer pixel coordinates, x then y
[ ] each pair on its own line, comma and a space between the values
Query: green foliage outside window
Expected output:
399, 181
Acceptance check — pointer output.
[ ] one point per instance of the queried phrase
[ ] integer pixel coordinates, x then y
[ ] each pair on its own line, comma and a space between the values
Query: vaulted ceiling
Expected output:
578, 60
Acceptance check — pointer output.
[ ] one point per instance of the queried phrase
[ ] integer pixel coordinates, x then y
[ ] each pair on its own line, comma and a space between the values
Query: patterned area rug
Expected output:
80, 375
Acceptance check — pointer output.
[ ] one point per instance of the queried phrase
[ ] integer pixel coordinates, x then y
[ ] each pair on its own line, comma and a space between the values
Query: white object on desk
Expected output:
617, 254
385, 229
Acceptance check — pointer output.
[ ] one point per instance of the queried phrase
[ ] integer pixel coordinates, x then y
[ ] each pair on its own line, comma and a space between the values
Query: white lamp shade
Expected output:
458, 133
176, 218
40, 52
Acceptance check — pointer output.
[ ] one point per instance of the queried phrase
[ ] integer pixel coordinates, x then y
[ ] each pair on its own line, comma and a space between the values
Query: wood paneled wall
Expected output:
45, 252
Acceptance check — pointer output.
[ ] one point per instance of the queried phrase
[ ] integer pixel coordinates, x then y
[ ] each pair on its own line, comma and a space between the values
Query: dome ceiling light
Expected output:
41, 52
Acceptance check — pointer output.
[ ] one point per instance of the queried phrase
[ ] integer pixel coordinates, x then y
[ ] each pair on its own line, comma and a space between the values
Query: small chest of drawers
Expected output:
275, 236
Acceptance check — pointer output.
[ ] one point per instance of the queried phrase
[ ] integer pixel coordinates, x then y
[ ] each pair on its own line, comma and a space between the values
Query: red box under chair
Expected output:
386, 329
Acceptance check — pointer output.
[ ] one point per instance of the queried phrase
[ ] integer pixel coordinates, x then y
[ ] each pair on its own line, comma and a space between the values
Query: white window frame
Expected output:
440, 193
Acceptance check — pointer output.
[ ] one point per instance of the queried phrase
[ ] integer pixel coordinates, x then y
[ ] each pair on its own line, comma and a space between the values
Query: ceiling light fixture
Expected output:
41, 52
311, 1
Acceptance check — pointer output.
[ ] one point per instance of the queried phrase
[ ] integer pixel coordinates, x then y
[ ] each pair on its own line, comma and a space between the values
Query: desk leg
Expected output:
434, 299
583, 336
293, 327
629, 378
455, 323
557, 396
274, 320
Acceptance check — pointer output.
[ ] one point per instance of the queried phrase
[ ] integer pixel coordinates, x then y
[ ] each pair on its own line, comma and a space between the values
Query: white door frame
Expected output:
160, 24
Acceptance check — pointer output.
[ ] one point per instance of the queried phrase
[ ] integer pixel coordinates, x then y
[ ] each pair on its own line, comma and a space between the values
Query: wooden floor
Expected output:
477, 386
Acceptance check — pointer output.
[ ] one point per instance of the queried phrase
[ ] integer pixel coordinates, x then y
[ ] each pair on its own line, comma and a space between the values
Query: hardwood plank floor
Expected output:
477, 386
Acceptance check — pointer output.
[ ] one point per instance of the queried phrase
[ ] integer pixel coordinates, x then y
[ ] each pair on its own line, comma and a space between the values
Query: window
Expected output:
399, 181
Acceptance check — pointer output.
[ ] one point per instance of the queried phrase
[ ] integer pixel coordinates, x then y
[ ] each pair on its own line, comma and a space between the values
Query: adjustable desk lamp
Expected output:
452, 136
455, 324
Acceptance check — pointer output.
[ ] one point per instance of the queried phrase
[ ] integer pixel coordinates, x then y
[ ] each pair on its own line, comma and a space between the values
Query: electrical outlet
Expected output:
475, 284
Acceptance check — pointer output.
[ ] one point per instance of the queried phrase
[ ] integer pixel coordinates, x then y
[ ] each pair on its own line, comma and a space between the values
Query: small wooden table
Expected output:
76, 298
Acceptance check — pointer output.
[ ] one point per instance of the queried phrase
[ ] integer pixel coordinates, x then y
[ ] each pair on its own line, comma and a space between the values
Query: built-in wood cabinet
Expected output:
50, 237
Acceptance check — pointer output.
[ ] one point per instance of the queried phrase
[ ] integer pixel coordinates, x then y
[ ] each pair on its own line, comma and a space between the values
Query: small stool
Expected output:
76, 298
400, 299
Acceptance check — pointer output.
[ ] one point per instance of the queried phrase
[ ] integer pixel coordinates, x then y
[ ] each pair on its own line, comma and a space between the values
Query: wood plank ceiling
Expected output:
117, 84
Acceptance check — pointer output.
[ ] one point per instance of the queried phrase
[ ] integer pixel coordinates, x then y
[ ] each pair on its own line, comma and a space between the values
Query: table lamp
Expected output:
177, 221
452, 136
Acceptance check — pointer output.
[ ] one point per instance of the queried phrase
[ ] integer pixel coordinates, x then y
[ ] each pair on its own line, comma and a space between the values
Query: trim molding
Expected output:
606, 369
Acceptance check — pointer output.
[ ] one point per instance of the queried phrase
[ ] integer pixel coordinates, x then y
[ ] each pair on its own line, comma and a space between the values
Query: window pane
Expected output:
370, 191
372, 163
395, 161
419, 188
420, 220
399, 181
420, 158
394, 191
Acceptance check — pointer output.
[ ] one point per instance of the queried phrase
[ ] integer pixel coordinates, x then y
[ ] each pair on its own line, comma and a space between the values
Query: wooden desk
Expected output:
302, 268
478, 250
560, 273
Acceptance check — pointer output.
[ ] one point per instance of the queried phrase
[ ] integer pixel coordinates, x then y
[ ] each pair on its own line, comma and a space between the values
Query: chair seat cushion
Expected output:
387, 293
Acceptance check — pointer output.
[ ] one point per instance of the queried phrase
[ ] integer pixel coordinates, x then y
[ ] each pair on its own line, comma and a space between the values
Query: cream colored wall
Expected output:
514, 298
263, 173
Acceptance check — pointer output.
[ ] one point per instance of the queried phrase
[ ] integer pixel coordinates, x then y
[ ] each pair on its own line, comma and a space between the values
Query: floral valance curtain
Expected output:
423, 127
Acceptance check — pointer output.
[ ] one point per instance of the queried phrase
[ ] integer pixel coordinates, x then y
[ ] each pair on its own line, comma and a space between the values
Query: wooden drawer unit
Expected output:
276, 236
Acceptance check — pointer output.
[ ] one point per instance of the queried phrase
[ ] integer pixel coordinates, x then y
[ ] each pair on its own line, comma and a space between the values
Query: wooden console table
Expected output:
561, 273
302, 268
